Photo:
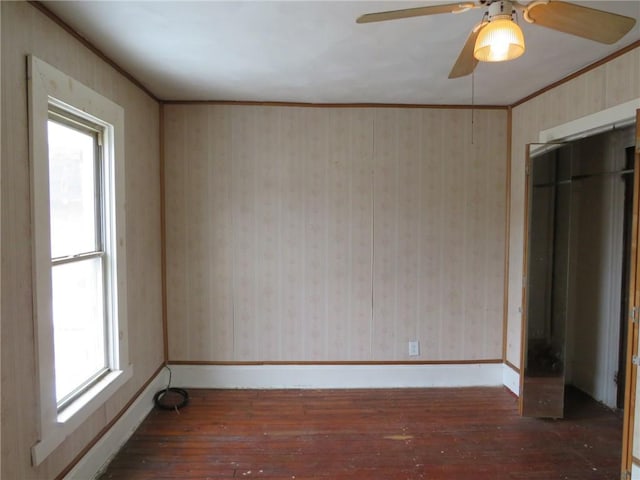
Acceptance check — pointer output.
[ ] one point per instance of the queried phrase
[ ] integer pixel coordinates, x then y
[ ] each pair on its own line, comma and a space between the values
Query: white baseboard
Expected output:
511, 379
97, 458
337, 376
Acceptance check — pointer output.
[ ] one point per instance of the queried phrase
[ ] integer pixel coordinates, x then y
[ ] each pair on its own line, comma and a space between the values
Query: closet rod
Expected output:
583, 177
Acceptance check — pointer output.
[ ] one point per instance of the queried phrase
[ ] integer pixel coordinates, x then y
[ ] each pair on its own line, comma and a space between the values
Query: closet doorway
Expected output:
578, 271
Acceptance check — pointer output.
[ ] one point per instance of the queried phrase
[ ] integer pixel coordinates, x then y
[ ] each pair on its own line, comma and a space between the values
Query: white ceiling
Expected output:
313, 51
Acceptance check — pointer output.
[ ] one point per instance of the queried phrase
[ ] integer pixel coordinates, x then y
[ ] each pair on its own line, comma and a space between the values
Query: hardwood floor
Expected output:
468, 433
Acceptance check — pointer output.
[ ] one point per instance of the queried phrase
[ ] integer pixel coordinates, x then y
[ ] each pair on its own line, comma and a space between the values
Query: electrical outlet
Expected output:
414, 348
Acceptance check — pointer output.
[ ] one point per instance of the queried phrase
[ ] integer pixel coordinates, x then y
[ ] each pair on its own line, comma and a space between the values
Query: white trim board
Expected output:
511, 379
614, 117
99, 456
337, 376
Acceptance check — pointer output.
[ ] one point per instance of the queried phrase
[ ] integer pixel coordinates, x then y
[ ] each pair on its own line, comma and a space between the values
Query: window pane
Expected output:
78, 323
72, 188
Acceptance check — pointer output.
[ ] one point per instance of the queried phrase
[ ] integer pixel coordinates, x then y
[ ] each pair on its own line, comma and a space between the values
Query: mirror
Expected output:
549, 202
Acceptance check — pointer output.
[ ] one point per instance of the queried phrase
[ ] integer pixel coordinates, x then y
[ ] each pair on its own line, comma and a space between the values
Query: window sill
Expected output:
77, 412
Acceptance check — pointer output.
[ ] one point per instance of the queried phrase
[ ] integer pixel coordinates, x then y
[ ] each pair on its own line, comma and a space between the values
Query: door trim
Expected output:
631, 374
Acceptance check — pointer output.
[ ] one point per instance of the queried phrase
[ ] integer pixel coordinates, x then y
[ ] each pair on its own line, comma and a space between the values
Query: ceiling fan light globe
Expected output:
499, 41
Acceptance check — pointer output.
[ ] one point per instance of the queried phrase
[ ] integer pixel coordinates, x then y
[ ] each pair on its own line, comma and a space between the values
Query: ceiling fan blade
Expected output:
415, 12
466, 62
598, 25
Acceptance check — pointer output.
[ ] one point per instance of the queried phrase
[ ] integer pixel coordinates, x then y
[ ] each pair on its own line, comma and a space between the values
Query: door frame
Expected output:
631, 374
626, 113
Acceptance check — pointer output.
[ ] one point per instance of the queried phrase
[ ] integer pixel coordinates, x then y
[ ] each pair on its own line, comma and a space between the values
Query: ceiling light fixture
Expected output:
501, 38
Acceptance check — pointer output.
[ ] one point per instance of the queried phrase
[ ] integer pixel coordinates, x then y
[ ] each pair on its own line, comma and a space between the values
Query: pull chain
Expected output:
473, 102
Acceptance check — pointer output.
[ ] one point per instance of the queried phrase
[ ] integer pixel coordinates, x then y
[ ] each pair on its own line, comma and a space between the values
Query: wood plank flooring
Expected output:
466, 433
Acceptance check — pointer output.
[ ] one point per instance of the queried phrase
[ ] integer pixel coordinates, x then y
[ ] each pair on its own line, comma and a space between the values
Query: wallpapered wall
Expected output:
25, 30
334, 234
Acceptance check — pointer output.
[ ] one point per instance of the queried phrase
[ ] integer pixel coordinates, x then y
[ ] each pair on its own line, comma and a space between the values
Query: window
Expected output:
79, 255
79, 251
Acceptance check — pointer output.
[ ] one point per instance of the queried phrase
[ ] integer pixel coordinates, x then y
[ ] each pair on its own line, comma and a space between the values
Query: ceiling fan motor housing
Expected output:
500, 9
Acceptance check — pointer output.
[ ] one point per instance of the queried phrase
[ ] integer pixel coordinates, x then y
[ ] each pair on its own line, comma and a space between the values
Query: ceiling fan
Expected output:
498, 37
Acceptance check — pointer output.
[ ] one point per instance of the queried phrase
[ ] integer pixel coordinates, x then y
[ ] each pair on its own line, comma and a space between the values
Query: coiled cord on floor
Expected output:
171, 398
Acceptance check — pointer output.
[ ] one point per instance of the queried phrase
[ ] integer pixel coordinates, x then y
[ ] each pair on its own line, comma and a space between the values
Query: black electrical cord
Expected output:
171, 398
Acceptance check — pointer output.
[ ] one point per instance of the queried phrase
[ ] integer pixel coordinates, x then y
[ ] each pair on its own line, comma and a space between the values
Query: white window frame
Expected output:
48, 86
